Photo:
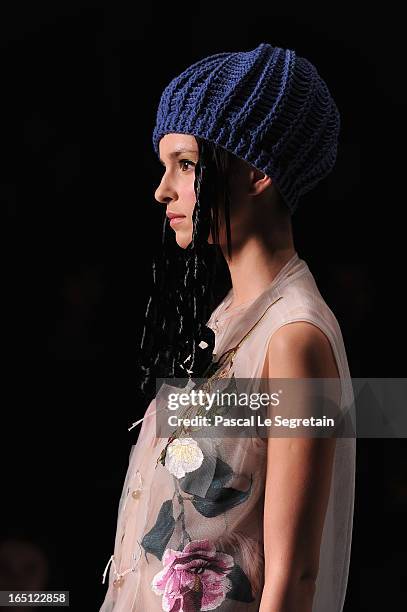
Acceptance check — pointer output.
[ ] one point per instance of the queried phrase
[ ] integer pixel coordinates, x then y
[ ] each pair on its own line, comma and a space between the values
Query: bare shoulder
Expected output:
300, 349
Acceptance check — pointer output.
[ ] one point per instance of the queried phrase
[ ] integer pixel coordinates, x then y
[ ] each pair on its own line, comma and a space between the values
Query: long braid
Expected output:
195, 264
183, 285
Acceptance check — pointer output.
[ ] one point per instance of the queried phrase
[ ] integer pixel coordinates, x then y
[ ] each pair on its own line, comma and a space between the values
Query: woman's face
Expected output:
179, 155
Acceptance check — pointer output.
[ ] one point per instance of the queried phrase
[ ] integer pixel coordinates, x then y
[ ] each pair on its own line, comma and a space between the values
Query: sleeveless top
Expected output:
190, 537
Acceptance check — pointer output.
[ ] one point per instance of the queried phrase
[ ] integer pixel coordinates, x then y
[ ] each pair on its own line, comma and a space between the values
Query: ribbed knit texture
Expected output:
267, 106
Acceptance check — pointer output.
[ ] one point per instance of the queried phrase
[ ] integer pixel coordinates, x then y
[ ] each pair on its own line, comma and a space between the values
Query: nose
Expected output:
164, 194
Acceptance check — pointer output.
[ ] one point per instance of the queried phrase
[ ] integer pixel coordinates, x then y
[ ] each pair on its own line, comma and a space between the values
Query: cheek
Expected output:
188, 198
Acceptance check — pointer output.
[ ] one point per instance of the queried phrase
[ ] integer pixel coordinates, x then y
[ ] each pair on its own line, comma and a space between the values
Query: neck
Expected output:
254, 265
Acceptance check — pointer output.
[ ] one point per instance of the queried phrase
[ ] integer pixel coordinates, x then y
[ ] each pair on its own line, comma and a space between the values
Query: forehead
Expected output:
177, 143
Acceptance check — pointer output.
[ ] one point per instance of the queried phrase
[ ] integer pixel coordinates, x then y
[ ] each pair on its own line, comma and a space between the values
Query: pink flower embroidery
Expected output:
194, 578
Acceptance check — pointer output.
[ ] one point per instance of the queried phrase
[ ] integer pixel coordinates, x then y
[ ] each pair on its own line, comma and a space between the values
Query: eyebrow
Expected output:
178, 152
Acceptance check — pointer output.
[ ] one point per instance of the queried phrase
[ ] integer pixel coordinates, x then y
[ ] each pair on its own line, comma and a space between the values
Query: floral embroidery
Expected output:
195, 578
183, 455
198, 575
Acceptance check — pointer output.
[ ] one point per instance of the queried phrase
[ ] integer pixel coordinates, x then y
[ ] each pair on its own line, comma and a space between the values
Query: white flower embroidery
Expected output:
183, 455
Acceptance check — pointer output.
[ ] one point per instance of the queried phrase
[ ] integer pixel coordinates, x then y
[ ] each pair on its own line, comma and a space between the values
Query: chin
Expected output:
183, 239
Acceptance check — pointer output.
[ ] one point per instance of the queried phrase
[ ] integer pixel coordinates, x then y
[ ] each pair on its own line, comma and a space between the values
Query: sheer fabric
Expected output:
195, 541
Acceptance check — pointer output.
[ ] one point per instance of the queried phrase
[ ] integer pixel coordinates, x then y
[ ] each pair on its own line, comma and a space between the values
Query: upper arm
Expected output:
299, 469
300, 350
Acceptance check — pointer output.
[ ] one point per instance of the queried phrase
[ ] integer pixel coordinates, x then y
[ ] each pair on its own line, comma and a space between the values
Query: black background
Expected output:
80, 86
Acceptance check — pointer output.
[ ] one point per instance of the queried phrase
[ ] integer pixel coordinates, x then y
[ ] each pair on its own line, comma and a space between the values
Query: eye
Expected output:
185, 161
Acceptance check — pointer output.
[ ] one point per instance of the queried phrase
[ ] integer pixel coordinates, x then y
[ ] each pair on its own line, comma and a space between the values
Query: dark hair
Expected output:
187, 284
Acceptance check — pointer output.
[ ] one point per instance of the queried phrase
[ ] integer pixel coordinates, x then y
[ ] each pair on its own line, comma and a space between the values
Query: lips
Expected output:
175, 218
174, 215
177, 221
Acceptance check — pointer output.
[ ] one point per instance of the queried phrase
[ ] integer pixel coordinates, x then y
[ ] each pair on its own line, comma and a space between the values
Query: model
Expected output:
256, 523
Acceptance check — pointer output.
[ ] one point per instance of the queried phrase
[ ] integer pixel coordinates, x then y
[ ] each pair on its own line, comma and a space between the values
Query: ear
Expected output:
258, 182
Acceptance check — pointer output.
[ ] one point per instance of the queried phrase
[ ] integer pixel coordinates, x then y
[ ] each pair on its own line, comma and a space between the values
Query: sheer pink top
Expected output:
195, 541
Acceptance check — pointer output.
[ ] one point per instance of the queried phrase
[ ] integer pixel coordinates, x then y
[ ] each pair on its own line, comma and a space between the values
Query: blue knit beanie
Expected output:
267, 106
